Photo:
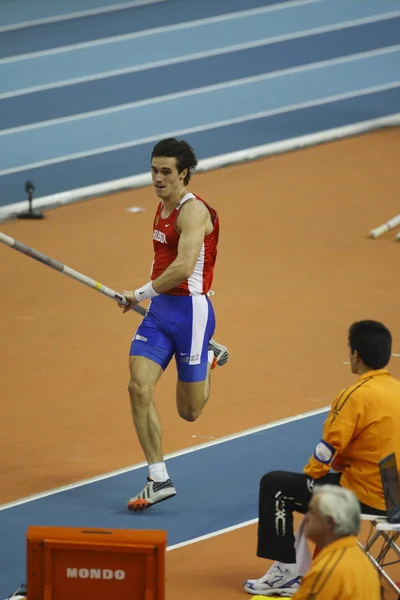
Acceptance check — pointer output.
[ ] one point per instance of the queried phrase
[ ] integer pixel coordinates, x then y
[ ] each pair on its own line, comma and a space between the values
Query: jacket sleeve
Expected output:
339, 430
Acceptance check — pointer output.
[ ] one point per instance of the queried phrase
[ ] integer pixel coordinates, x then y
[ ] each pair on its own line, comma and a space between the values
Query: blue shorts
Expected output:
180, 326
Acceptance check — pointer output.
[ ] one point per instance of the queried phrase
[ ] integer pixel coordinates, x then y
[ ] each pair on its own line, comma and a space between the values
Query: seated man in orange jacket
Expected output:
363, 427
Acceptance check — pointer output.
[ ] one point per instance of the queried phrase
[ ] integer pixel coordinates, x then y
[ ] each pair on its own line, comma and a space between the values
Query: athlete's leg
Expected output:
150, 354
191, 397
144, 374
196, 354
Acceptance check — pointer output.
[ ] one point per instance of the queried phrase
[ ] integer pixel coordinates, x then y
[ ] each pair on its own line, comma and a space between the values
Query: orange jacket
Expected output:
363, 427
341, 571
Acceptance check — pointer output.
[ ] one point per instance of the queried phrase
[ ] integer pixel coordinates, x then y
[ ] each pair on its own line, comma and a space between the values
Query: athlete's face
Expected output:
167, 181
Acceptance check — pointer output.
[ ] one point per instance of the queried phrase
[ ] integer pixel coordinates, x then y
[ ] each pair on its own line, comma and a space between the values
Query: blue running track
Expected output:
86, 88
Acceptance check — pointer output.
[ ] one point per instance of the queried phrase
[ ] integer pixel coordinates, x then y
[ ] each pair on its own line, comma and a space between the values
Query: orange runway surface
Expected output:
295, 268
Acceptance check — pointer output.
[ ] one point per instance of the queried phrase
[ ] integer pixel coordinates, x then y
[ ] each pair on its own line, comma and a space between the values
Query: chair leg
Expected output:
377, 565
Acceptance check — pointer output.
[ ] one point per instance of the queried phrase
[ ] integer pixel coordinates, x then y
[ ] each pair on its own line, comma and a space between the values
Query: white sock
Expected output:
158, 472
210, 356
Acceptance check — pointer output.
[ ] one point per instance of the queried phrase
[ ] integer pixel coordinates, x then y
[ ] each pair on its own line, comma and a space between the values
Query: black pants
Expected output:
282, 493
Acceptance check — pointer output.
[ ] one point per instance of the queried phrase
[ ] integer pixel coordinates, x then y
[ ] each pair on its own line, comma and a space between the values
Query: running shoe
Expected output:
276, 582
152, 493
221, 353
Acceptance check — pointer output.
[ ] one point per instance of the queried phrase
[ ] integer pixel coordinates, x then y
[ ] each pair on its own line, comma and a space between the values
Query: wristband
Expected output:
145, 292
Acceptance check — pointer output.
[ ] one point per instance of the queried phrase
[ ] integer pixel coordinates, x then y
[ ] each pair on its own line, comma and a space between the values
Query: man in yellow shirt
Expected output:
363, 426
341, 571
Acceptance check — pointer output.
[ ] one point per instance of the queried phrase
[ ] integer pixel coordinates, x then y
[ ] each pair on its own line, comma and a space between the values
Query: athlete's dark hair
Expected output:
373, 342
179, 149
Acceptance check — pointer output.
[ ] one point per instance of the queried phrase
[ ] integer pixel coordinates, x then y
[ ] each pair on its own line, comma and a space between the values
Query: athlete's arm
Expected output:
339, 430
192, 223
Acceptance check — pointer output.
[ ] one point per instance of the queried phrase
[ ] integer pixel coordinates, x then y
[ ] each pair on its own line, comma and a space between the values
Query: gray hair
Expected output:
342, 506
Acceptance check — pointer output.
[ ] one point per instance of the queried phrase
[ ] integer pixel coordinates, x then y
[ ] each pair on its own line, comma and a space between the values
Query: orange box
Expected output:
69, 563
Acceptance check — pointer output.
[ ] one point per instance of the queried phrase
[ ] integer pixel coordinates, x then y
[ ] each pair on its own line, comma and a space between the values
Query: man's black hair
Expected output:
373, 342
179, 149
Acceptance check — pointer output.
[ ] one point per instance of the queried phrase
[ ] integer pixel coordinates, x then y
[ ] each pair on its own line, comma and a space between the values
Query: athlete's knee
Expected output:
189, 400
139, 392
189, 413
144, 375
269, 481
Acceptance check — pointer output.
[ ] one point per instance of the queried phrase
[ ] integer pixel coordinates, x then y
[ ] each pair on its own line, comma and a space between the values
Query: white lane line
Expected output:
209, 126
207, 536
78, 15
159, 30
199, 55
206, 164
201, 90
222, 440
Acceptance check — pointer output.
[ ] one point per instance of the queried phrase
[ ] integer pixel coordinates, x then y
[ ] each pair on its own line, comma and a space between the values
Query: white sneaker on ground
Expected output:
152, 493
276, 582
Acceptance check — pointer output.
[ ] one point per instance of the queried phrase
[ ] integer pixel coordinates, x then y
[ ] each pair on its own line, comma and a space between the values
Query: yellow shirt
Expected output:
363, 427
341, 571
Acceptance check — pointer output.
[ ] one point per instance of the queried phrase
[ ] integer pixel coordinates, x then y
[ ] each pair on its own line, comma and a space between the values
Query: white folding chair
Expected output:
387, 533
